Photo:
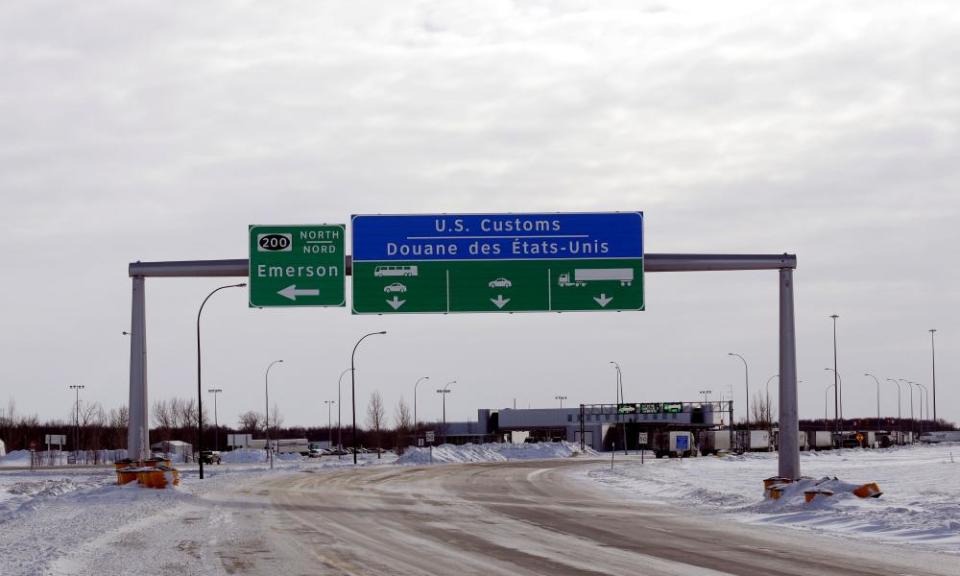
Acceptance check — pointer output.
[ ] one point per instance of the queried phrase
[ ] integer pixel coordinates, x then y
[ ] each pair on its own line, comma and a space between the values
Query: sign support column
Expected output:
789, 461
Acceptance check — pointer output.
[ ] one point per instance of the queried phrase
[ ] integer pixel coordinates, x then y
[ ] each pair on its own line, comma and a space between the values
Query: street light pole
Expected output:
76, 429
443, 393
910, 390
825, 390
837, 418
339, 404
353, 389
877, 380
837, 394
419, 380
933, 371
329, 404
620, 400
561, 398
200, 374
266, 393
746, 373
899, 417
216, 424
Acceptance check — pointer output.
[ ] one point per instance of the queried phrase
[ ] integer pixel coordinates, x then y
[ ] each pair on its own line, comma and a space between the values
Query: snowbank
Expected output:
920, 502
448, 453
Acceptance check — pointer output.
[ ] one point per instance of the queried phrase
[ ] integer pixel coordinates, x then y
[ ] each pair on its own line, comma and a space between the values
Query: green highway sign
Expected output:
497, 263
297, 265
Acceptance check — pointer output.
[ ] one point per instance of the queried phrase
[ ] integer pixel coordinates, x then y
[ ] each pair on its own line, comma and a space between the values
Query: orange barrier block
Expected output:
126, 476
810, 495
868, 490
768, 482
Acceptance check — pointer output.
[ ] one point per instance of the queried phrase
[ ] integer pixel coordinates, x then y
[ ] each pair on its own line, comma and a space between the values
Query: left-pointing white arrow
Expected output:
291, 292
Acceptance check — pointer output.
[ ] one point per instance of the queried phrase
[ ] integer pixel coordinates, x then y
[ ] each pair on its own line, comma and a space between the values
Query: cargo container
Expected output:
713, 441
820, 439
759, 440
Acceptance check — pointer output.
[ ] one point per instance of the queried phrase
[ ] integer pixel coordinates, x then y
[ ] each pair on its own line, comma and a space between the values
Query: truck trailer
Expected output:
713, 441
583, 275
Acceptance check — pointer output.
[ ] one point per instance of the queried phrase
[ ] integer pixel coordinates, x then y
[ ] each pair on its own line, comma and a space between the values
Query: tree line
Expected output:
177, 418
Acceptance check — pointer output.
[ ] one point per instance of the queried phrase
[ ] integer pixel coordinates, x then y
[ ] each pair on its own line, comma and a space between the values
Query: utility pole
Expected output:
933, 372
76, 428
329, 404
837, 394
216, 424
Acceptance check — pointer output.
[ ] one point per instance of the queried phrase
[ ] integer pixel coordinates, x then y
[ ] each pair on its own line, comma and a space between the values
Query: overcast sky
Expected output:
159, 131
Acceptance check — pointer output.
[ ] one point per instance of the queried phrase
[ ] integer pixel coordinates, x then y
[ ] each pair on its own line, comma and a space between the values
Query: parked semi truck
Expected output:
583, 275
672, 444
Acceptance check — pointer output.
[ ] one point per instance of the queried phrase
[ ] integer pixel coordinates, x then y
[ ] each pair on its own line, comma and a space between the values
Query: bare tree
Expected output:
163, 418
762, 408
276, 418
251, 422
376, 414
119, 420
402, 417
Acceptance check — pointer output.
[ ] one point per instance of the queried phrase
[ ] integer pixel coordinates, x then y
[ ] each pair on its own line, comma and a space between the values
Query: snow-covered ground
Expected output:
53, 520
920, 503
447, 453
78, 521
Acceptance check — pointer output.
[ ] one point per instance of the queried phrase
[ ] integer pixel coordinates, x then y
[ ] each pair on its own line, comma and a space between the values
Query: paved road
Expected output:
518, 518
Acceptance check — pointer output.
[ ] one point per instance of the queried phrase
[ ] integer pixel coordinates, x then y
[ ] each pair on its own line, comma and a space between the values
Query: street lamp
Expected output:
443, 392
746, 373
266, 394
933, 371
216, 424
837, 418
926, 393
353, 389
200, 374
825, 390
561, 398
329, 425
899, 417
339, 404
76, 430
619, 382
419, 380
910, 390
837, 391
877, 380
706, 395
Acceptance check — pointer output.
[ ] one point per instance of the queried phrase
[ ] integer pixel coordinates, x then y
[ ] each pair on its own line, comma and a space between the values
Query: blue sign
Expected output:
683, 442
497, 236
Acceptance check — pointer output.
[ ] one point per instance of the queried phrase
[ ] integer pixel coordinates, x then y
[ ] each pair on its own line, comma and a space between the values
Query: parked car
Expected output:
210, 457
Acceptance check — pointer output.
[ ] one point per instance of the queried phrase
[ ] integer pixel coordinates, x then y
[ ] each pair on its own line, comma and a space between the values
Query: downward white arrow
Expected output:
500, 302
396, 303
291, 292
603, 300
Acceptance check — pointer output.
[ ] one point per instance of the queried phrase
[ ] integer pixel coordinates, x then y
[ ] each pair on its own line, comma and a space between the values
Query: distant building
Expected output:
598, 422
175, 450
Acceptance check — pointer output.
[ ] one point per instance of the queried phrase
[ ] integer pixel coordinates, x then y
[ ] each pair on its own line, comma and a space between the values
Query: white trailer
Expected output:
759, 440
713, 441
820, 440
583, 275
